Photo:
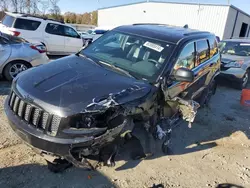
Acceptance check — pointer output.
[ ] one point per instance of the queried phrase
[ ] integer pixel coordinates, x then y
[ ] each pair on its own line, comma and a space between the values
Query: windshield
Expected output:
235, 48
140, 56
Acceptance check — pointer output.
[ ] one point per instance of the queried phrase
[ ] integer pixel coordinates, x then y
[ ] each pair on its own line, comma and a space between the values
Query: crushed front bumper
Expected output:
41, 141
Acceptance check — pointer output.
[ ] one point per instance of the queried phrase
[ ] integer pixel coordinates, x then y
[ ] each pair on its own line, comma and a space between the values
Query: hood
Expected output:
226, 58
75, 84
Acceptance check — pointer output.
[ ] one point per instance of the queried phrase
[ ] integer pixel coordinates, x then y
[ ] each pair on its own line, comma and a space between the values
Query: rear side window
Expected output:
202, 51
186, 58
25, 24
213, 46
54, 29
8, 21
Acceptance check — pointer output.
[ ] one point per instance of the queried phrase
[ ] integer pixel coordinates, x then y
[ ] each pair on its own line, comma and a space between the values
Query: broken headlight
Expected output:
82, 121
234, 64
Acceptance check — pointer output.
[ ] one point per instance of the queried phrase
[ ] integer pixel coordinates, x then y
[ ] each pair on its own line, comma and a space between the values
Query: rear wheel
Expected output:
14, 68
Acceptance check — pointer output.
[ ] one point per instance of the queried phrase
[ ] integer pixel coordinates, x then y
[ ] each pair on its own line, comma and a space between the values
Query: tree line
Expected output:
48, 9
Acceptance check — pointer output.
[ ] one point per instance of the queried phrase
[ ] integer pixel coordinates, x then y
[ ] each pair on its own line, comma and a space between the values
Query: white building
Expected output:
225, 21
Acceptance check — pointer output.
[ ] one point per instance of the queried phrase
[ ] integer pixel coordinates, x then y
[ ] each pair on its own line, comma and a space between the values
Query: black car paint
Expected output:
72, 83
75, 85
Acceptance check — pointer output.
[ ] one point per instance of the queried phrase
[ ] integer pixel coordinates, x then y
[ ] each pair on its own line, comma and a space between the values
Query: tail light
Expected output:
39, 48
15, 33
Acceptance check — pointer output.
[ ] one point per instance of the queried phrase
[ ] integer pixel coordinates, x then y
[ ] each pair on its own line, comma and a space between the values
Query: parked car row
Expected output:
92, 34
57, 37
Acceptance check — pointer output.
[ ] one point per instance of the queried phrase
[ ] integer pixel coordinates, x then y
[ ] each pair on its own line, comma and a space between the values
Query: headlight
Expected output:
84, 122
234, 64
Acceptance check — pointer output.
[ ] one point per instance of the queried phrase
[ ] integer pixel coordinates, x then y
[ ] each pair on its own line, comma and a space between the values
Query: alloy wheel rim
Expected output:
245, 80
16, 68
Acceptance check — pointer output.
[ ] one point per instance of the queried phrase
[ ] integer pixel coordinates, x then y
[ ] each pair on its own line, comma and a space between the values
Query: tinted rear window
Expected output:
8, 21
25, 24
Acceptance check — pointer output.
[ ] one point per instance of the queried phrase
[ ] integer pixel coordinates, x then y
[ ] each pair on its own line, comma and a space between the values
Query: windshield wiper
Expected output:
118, 68
84, 56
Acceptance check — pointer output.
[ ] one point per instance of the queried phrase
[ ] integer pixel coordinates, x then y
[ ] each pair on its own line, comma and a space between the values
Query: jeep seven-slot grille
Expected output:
34, 115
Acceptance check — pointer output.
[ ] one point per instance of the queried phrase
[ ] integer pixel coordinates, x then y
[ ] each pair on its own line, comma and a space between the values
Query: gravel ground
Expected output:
215, 151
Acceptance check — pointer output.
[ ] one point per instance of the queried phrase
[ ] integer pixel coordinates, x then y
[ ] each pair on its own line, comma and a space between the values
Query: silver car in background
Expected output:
17, 55
235, 62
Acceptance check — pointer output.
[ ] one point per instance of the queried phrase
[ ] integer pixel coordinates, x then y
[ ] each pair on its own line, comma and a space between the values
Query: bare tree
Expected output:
15, 5
54, 7
4, 5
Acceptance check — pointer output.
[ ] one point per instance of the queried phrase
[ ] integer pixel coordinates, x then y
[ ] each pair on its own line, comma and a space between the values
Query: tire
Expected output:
207, 94
14, 68
243, 82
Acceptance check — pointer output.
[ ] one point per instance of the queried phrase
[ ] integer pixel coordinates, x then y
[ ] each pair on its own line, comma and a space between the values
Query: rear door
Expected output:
54, 38
203, 66
73, 41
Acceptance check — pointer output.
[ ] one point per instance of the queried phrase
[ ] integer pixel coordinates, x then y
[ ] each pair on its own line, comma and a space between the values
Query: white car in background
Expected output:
93, 34
58, 38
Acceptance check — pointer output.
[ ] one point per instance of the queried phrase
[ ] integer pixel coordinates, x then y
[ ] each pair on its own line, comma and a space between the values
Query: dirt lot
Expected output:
216, 150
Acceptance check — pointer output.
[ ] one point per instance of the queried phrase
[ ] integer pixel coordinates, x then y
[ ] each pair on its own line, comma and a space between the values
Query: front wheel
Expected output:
13, 69
243, 82
208, 93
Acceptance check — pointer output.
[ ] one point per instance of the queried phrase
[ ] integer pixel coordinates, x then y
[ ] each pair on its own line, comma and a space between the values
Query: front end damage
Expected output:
96, 133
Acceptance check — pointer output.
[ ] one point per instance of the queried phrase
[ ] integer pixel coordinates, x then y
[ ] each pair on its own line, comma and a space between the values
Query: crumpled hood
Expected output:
76, 84
228, 58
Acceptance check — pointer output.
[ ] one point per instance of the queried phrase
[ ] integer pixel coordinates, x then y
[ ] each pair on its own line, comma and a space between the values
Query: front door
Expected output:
73, 41
186, 59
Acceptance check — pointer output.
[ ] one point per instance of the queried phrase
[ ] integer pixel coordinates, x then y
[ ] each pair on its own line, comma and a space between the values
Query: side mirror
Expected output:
184, 75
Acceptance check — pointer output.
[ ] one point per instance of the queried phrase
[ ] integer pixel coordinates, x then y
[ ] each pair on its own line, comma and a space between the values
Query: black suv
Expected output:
149, 74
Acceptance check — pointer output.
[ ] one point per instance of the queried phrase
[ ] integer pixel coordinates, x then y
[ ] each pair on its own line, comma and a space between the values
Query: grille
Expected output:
34, 115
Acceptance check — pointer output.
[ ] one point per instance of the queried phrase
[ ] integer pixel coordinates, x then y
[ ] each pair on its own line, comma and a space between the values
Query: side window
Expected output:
202, 51
54, 29
186, 58
213, 46
26, 24
69, 32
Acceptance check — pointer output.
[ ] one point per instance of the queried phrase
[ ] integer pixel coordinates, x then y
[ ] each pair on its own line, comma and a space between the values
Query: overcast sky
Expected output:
81, 6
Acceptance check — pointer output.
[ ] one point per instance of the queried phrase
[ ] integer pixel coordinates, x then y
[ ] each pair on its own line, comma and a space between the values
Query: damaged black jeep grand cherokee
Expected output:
149, 74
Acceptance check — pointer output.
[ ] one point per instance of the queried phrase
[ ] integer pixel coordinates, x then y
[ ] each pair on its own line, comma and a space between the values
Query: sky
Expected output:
82, 6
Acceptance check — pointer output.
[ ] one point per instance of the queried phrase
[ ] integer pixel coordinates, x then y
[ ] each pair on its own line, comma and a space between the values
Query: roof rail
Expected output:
40, 17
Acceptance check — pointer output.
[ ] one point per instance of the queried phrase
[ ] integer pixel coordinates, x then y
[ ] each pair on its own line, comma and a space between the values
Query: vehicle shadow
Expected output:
4, 87
228, 185
39, 176
55, 57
